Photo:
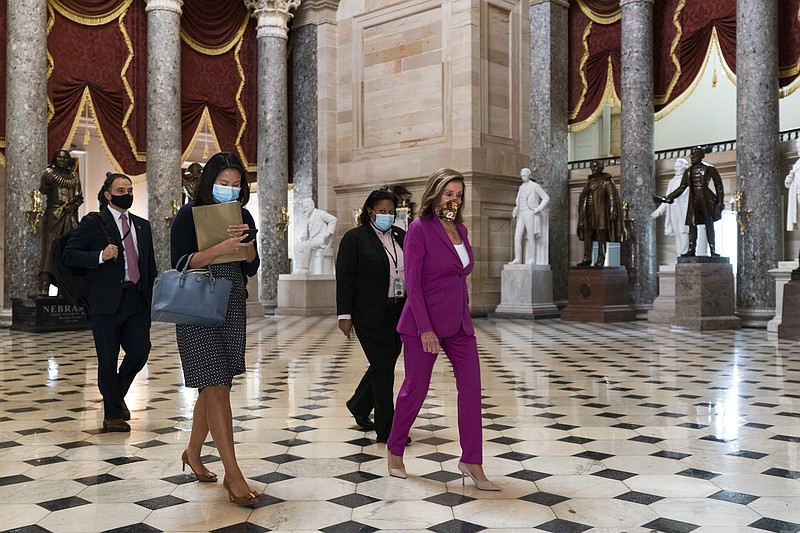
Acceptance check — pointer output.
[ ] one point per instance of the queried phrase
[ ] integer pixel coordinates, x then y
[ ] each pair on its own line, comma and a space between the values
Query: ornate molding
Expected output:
272, 16
316, 12
164, 5
562, 3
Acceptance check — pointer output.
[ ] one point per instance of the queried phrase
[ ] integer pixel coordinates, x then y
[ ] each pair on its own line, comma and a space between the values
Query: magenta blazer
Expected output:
436, 282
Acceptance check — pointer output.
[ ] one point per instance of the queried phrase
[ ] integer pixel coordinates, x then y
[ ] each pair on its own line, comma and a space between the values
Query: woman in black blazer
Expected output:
370, 294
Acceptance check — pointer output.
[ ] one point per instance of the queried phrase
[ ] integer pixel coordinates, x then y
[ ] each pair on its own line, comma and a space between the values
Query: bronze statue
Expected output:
189, 178
61, 185
599, 214
705, 206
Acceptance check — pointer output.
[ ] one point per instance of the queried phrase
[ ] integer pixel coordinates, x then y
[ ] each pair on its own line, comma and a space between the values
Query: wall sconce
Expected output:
175, 208
34, 214
283, 223
738, 206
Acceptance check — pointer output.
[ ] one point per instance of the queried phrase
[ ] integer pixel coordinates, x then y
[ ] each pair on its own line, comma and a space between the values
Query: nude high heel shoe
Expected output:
202, 477
481, 485
399, 472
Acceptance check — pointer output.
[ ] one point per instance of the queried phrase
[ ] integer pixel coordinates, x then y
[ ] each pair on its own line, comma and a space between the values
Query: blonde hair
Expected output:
434, 188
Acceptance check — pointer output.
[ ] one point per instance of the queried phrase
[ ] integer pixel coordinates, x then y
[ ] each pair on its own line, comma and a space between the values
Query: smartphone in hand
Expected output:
249, 235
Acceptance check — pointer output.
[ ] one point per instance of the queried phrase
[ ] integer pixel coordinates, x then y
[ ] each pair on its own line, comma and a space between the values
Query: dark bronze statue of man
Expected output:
705, 206
599, 214
61, 185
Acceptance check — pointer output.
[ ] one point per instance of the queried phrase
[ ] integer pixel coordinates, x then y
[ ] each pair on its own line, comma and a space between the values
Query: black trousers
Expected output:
382, 347
128, 328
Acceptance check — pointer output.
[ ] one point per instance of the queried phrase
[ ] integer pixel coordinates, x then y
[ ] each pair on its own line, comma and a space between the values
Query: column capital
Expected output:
562, 3
623, 3
164, 5
272, 16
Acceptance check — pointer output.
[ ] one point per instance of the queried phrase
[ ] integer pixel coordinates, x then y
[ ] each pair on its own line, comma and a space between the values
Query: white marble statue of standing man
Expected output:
532, 222
675, 222
792, 183
320, 228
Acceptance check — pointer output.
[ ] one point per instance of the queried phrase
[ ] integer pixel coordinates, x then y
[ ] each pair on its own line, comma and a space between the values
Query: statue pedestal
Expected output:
306, 294
47, 313
598, 294
782, 275
663, 310
526, 291
704, 294
789, 327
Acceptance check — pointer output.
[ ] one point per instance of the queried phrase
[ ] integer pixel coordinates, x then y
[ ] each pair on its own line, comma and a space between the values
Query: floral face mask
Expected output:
449, 210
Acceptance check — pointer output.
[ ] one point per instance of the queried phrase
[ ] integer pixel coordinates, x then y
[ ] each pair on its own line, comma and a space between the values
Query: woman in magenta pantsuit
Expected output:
438, 259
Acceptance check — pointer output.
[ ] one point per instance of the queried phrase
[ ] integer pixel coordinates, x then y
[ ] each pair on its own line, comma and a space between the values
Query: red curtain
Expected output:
592, 47
95, 8
788, 42
600, 9
114, 74
219, 61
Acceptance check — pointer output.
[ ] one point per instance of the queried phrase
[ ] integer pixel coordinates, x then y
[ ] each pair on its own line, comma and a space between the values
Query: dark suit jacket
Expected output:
436, 281
362, 275
106, 279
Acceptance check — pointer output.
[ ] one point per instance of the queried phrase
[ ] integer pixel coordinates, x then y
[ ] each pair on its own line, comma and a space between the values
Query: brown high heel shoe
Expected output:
202, 477
249, 499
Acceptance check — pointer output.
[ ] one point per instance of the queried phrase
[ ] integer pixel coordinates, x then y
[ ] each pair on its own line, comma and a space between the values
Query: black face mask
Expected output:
123, 201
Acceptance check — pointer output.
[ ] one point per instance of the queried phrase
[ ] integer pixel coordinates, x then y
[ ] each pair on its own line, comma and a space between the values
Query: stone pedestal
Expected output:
782, 275
790, 325
663, 309
598, 294
526, 291
47, 313
306, 295
704, 294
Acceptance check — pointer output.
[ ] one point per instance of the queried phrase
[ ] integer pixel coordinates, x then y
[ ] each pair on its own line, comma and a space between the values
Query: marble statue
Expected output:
599, 214
704, 206
62, 187
675, 221
315, 239
532, 222
792, 183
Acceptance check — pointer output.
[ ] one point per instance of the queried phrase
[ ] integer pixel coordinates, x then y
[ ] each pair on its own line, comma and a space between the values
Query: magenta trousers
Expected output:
462, 351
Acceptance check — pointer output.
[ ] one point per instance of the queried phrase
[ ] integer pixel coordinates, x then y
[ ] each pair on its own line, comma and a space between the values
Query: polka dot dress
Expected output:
212, 356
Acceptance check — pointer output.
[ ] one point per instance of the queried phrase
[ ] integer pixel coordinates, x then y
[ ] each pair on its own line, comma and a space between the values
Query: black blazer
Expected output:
362, 275
105, 279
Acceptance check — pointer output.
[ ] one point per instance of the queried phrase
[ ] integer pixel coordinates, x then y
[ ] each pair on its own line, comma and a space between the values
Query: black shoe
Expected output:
126, 414
361, 421
116, 424
383, 440
586, 262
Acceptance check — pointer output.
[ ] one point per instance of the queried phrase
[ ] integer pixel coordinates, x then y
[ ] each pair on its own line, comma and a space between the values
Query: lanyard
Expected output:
394, 257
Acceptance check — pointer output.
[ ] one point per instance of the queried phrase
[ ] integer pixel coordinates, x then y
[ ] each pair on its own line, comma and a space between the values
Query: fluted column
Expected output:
637, 166
549, 118
273, 140
26, 140
757, 159
163, 120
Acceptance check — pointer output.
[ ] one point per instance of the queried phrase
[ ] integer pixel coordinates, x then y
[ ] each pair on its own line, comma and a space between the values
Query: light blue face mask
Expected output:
383, 222
223, 193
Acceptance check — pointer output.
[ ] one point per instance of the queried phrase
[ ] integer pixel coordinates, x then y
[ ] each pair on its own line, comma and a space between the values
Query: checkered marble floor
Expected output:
587, 427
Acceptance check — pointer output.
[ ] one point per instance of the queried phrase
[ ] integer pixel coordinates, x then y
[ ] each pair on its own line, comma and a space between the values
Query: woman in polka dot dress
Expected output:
212, 356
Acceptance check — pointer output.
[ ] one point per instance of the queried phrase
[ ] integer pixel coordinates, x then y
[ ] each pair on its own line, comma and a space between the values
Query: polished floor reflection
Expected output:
587, 427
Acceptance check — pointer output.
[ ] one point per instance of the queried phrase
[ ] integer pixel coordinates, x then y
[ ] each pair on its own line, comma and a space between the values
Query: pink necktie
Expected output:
130, 251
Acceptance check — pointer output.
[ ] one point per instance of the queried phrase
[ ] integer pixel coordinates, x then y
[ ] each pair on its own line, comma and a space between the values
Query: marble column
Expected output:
273, 141
757, 159
163, 121
549, 118
637, 167
26, 141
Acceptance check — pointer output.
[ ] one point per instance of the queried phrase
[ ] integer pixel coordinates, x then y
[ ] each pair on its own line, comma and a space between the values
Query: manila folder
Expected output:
211, 225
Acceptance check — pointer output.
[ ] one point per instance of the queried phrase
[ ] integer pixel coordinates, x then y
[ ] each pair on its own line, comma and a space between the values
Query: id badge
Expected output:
399, 288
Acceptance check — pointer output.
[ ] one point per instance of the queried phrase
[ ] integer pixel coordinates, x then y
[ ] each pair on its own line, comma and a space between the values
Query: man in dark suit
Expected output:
121, 275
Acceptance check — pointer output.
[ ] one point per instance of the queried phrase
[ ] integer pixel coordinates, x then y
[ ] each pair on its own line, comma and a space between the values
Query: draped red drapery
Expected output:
113, 75
219, 61
789, 43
